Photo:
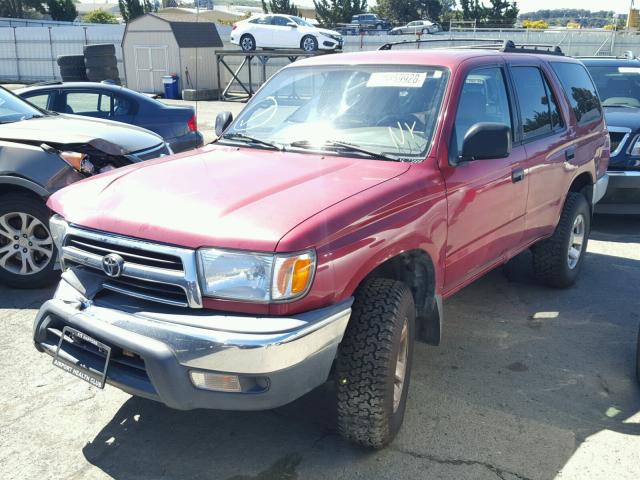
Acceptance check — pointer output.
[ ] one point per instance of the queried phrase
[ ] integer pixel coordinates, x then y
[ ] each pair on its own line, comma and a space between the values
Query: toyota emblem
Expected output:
112, 265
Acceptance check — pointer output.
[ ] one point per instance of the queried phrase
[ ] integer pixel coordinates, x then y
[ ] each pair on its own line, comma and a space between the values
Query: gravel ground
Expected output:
529, 383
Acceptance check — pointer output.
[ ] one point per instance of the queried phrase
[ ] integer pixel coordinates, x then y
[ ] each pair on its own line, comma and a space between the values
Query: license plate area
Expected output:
93, 363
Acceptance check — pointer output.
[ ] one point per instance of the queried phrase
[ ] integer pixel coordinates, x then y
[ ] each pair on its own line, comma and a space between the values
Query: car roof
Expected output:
443, 57
105, 87
610, 62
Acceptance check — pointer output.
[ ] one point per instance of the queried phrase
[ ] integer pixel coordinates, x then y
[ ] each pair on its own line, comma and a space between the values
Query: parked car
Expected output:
618, 83
177, 125
41, 152
370, 21
324, 229
283, 31
419, 27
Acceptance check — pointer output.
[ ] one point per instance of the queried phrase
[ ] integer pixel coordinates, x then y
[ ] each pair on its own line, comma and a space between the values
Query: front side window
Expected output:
535, 112
483, 99
301, 22
580, 90
387, 110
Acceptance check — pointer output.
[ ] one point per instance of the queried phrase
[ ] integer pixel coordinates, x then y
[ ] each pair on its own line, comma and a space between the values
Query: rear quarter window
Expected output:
580, 91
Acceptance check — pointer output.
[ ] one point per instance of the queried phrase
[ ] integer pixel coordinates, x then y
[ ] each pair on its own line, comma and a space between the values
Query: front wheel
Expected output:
558, 259
309, 44
248, 43
374, 363
27, 251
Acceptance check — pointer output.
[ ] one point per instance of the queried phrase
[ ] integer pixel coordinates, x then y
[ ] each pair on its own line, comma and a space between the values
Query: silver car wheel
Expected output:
576, 241
309, 44
401, 365
26, 246
247, 44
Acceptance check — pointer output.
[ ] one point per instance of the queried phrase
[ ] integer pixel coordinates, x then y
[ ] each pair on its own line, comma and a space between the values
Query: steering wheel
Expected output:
392, 120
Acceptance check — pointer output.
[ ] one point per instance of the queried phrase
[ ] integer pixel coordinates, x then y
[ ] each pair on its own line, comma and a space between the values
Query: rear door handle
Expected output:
570, 153
517, 175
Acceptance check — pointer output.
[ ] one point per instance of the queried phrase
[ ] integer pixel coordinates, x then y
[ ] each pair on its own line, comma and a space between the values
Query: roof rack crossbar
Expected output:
490, 44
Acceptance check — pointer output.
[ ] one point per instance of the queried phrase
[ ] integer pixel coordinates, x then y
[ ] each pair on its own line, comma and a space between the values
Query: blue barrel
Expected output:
170, 83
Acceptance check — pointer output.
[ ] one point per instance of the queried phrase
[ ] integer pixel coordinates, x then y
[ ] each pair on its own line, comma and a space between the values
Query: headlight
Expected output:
635, 149
78, 161
255, 277
58, 228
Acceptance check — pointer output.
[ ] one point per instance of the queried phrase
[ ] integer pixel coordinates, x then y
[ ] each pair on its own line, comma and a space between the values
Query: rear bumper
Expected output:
186, 142
622, 195
276, 359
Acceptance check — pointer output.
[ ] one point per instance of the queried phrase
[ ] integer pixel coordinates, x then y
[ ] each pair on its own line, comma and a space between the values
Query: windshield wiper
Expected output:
619, 105
250, 139
346, 147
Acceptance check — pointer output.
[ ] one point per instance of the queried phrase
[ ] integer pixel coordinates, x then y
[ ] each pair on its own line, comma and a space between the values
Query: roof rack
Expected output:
507, 46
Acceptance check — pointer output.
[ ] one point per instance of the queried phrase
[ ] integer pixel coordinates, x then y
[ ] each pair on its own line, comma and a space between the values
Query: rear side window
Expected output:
538, 108
580, 91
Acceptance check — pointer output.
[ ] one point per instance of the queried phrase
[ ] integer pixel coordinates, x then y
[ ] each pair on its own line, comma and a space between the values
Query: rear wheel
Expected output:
558, 259
309, 44
374, 363
27, 251
247, 43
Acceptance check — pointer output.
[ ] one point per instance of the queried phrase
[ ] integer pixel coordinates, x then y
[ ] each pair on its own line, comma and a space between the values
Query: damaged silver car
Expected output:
41, 152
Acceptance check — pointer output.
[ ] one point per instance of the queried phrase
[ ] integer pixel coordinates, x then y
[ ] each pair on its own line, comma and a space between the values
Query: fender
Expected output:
26, 184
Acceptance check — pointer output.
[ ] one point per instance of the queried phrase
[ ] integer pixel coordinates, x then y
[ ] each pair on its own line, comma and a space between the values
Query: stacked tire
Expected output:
72, 68
101, 63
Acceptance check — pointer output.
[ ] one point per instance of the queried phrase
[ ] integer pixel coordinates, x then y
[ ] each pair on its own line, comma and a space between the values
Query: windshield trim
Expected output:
446, 79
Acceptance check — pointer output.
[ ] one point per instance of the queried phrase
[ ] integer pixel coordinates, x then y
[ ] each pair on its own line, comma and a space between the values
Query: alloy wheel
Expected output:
576, 241
26, 246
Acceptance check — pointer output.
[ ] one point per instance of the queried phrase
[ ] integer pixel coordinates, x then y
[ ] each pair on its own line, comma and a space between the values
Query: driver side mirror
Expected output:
292, 25
223, 120
486, 140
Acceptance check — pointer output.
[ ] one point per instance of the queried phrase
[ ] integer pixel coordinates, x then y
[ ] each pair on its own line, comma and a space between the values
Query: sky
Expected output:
619, 6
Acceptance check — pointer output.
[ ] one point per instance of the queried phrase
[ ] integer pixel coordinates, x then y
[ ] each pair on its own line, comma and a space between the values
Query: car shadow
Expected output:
15, 298
524, 376
616, 228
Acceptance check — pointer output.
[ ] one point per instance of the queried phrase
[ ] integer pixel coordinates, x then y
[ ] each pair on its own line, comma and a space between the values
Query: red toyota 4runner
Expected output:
323, 230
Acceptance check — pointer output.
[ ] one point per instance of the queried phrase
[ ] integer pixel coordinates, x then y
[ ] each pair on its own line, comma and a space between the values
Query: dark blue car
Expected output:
618, 83
176, 125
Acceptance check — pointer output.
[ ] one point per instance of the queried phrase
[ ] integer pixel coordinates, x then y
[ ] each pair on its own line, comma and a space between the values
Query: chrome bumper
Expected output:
600, 188
291, 355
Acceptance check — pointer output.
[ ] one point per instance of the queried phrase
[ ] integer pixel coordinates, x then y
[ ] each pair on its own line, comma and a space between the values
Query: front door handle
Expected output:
517, 175
570, 153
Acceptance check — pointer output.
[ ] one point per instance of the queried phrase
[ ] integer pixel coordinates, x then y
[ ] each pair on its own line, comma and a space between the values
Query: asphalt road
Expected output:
528, 382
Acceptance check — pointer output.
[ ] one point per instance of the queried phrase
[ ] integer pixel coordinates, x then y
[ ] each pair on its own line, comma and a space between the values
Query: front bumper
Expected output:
277, 359
622, 195
186, 142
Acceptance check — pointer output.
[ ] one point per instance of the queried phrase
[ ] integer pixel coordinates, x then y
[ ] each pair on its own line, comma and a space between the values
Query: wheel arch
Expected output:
12, 184
416, 269
583, 183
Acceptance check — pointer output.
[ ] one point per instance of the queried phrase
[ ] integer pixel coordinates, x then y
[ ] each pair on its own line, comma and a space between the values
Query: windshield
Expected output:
301, 22
618, 86
388, 111
13, 109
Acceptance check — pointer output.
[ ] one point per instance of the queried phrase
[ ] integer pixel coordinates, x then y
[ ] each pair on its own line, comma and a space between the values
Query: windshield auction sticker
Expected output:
397, 79
629, 69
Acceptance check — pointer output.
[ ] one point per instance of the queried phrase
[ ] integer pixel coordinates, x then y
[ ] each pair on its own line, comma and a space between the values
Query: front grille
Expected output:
152, 272
151, 153
616, 140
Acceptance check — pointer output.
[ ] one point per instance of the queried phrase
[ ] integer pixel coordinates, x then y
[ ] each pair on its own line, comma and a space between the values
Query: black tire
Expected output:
638, 358
367, 359
99, 74
23, 203
99, 49
309, 43
247, 43
76, 61
79, 71
74, 78
551, 262
104, 61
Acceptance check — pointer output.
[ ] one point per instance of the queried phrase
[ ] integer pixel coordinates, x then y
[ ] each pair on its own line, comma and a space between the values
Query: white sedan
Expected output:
283, 31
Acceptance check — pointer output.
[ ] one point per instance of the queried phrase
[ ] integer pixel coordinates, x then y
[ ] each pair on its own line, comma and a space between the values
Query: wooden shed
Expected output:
153, 46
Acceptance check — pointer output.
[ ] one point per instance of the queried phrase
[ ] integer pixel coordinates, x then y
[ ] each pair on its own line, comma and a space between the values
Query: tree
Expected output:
283, 6
63, 10
99, 16
404, 11
20, 8
332, 12
132, 9
265, 9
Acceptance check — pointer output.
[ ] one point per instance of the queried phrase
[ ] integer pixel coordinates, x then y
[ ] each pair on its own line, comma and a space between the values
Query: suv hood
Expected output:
622, 117
112, 138
221, 196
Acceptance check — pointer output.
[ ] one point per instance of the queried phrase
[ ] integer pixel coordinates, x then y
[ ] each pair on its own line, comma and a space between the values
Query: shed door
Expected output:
151, 65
